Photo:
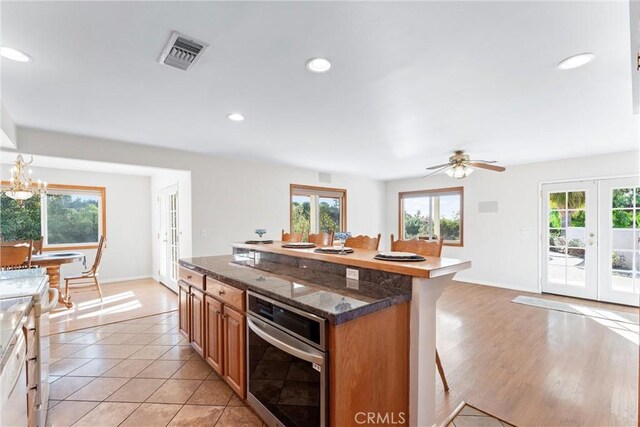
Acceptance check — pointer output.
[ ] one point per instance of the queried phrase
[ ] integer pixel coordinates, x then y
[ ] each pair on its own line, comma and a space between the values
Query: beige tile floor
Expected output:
138, 373
471, 417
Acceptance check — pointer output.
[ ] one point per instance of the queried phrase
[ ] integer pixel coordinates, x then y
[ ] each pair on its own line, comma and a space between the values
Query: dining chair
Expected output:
36, 244
15, 256
363, 242
321, 239
291, 237
432, 248
89, 278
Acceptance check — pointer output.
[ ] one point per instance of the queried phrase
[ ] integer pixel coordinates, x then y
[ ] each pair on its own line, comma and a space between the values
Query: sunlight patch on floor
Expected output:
131, 305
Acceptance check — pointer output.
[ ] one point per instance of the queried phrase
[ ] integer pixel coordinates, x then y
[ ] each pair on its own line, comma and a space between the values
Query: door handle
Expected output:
285, 342
592, 239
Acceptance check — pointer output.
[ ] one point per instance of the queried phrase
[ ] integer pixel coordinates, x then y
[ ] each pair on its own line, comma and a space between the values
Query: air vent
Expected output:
182, 51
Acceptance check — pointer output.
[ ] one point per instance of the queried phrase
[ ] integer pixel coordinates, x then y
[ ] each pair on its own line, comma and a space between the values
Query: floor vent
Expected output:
182, 51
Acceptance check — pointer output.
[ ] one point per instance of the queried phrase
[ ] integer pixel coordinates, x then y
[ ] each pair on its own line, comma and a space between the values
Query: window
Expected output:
66, 217
429, 214
317, 209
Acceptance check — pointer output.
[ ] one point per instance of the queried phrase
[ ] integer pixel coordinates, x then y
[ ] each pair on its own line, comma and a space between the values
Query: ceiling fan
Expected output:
460, 166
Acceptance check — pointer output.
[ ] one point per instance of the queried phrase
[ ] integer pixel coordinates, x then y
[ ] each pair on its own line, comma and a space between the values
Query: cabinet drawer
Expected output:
226, 293
191, 277
32, 373
32, 344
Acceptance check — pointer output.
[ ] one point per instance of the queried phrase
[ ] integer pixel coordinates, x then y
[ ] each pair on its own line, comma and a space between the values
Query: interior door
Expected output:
168, 236
620, 240
569, 249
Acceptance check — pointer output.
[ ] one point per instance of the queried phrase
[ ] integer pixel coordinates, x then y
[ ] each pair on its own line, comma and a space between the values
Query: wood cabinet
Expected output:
183, 309
214, 333
212, 315
234, 350
197, 320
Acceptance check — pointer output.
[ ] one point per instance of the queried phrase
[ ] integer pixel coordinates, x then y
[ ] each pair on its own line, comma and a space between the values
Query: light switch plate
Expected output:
353, 274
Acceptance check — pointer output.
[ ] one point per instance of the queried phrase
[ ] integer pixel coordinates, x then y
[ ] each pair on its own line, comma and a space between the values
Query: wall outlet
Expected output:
353, 274
203, 234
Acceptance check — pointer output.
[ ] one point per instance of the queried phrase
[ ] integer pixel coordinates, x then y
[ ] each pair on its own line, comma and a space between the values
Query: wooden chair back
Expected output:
36, 244
96, 262
321, 239
14, 257
420, 247
363, 242
291, 237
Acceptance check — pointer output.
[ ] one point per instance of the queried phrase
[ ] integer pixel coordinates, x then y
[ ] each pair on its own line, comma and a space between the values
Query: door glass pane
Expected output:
623, 239
558, 200
576, 237
622, 218
577, 199
622, 198
557, 237
575, 267
557, 265
638, 197
576, 218
557, 219
622, 260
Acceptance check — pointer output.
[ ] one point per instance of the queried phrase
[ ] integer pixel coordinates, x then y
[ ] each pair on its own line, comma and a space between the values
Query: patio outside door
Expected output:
569, 249
169, 236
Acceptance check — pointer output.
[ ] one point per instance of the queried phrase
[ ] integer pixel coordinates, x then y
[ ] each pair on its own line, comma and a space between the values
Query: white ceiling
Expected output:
410, 81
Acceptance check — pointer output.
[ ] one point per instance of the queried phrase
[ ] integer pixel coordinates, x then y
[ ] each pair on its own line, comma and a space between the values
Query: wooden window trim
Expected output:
343, 217
435, 190
103, 196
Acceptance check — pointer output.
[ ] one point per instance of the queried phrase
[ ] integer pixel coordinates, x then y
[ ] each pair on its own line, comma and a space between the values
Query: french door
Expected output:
168, 236
620, 240
570, 252
591, 239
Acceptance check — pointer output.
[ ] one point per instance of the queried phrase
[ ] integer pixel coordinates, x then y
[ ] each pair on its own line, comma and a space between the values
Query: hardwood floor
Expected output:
122, 301
533, 366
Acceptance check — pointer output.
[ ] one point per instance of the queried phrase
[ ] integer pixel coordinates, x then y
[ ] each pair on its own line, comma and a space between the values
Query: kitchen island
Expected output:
380, 330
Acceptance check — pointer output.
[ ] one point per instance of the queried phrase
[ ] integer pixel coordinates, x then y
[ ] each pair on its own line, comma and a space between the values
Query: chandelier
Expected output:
21, 187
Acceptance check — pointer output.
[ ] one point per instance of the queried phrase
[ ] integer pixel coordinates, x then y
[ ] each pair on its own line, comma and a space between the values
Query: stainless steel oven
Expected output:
287, 380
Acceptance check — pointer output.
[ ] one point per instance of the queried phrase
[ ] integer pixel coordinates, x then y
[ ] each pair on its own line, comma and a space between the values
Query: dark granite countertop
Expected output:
332, 297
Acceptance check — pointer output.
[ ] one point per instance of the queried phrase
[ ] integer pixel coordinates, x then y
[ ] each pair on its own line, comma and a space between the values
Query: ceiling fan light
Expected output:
449, 171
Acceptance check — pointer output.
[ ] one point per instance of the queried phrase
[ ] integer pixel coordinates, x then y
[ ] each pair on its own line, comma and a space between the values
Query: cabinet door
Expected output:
197, 320
234, 361
183, 309
213, 333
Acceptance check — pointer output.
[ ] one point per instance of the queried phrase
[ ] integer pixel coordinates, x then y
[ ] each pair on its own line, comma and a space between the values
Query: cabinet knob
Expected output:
189, 277
221, 292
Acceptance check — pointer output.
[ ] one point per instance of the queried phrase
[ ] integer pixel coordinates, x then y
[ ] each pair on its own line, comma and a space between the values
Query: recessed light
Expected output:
13, 54
318, 65
236, 117
576, 61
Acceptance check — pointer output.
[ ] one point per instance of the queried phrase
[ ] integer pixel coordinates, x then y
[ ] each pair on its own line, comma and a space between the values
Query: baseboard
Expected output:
125, 279
498, 285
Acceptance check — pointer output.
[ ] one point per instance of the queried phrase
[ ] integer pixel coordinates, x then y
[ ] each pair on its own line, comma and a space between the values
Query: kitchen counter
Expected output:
432, 267
330, 296
12, 312
19, 283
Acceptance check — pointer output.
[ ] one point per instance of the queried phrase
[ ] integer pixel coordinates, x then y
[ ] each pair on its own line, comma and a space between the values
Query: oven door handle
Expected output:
285, 342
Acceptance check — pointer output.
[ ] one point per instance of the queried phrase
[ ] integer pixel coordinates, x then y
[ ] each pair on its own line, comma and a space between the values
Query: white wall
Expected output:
503, 247
230, 197
128, 202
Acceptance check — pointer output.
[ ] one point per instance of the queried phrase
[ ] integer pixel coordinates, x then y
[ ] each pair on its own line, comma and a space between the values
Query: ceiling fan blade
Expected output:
483, 161
486, 166
438, 166
435, 171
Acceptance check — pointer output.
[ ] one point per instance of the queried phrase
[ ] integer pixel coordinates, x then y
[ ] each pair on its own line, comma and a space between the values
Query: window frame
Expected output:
317, 189
102, 215
430, 192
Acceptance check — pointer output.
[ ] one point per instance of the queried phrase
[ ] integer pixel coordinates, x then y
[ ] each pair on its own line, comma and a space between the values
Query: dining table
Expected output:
52, 261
